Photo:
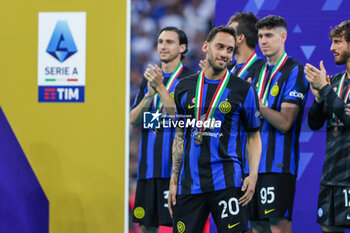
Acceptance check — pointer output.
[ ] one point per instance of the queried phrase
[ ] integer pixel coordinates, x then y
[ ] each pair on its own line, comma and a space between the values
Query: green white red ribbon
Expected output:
215, 100
169, 84
263, 77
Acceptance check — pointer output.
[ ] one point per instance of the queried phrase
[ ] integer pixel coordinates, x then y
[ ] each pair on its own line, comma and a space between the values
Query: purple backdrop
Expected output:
309, 23
24, 207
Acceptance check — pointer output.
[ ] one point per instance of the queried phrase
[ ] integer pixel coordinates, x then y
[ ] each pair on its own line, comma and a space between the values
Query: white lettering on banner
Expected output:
68, 93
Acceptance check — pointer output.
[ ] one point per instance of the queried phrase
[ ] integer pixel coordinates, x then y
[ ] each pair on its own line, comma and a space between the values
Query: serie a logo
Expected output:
61, 45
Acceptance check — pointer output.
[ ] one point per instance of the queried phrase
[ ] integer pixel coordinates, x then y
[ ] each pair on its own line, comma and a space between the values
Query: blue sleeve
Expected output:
177, 99
141, 93
296, 87
252, 119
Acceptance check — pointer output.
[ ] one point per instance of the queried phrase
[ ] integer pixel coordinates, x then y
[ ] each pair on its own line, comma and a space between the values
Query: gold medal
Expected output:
199, 138
155, 131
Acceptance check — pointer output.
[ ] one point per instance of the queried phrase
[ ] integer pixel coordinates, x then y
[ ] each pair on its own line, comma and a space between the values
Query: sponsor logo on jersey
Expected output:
268, 211
299, 95
190, 106
229, 226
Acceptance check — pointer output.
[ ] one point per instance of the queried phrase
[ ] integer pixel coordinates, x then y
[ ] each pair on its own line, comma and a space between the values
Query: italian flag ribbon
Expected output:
263, 78
341, 86
215, 100
169, 84
246, 65
340, 90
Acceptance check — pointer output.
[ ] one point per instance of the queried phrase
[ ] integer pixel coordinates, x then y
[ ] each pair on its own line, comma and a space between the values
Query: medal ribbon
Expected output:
347, 94
341, 86
215, 100
263, 77
169, 84
247, 64
233, 69
339, 91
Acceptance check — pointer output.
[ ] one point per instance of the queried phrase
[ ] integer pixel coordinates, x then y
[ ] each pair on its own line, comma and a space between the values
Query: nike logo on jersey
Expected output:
268, 211
347, 217
190, 106
232, 226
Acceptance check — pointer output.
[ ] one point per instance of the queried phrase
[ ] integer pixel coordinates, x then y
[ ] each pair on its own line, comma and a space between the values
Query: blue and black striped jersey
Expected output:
216, 163
252, 72
155, 148
280, 151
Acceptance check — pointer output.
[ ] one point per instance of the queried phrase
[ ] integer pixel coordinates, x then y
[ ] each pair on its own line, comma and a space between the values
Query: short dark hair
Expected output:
246, 26
343, 29
182, 37
222, 28
271, 21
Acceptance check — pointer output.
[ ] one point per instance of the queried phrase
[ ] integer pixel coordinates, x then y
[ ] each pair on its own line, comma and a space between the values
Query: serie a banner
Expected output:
61, 56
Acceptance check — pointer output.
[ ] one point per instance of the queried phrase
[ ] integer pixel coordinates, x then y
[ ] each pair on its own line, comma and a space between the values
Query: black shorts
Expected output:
192, 210
151, 203
334, 206
273, 198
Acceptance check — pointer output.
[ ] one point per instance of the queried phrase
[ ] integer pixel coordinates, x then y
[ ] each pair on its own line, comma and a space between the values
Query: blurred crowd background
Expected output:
148, 17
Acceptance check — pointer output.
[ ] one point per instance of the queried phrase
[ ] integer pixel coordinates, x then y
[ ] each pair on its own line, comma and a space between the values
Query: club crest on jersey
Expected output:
180, 227
335, 89
139, 212
225, 107
274, 90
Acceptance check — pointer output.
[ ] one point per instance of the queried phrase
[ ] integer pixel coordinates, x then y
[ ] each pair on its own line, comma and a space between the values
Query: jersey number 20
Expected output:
233, 207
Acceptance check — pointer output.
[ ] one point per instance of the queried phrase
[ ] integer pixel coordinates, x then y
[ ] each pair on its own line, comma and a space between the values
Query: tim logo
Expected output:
61, 94
151, 120
61, 45
49, 93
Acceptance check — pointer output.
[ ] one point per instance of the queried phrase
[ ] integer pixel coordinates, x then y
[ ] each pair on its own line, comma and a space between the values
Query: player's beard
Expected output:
343, 58
216, 68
